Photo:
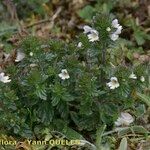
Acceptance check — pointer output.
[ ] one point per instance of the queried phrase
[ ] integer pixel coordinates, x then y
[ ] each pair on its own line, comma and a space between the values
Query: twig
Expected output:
47, 20
51, 20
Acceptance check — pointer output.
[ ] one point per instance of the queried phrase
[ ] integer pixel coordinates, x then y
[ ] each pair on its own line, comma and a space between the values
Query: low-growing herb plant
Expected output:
70, 87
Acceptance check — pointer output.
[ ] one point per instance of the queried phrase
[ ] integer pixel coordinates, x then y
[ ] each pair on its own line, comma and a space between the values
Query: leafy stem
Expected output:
103, 63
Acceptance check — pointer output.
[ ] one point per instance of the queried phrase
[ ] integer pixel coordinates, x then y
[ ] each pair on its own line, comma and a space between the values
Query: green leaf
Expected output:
55, 101
41, 92
139, 130
123, 144
140, 110
50, 71
99, 134
26, 131
133, 129
86, 109
144, 98
45, 112
9, 100
63, 109
87, 12
72, 134
139, 38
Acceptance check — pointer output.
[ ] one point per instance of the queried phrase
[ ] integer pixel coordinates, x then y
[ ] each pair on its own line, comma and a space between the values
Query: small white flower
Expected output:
3, 78
87, 29
113, 83
79, 45
124, 119
20, 56
142, 79
91, 33
108, 29
118, 31
115, 23
114, 37
31, 53
93, 36
132, 76
64, 74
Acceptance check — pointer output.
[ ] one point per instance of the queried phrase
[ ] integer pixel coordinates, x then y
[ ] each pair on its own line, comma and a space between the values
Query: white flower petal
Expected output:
108, 29
132, 76
124, 119
3, 78
64, 74
64, 70
63, 78
115, 23
114, 78
112, 87
119, 122
2, 74
114, 37
20, 56
60, 75
79, 45
127, 118
116, 85
31, 53
93, 36
142, 79
113, 83
87, 29
118, 31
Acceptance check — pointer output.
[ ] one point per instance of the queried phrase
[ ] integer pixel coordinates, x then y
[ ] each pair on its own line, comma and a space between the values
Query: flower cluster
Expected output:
20, 56
133, 76
93, 34
115, 84
118, 28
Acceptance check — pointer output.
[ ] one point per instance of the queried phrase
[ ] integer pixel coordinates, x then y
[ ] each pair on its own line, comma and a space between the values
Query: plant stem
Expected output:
103, 63
104, 55
114, 131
